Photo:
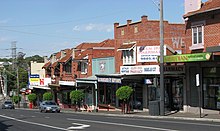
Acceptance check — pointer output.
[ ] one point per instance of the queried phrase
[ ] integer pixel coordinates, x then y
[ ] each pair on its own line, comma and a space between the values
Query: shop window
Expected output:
211, 88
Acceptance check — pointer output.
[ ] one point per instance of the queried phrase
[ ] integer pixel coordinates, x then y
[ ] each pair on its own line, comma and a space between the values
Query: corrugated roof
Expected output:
207, 6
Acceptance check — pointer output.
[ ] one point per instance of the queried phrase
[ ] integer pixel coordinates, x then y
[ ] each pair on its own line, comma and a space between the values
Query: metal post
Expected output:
18, 89
161, 60
96, 98
5, 83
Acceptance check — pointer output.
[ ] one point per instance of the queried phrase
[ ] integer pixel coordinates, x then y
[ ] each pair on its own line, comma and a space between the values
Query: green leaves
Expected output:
16, 99
32, 97
48, 96
77, 95
124, 93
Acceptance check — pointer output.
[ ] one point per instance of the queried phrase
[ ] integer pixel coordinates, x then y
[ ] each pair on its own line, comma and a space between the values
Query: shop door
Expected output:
174, 93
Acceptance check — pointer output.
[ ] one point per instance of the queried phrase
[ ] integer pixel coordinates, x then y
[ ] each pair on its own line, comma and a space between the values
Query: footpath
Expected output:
141, 114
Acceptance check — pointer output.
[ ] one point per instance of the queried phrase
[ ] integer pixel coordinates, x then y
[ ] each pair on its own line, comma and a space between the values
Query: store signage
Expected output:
34, 79
188, 57
174, 69
147, 69
110, 80
67, 83
148, 53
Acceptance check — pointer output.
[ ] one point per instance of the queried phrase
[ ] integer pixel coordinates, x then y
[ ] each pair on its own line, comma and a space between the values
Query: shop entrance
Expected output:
174, 93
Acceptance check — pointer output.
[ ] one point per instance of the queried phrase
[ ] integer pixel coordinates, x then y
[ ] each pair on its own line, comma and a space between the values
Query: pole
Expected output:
161, 60
18, 89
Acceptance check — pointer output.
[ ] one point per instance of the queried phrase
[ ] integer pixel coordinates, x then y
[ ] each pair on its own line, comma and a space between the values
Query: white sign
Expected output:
148, 53
197, 79
147, 69
68, 83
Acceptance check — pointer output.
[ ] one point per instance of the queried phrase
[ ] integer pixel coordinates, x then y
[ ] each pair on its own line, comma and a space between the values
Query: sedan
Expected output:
49, 106
8, 105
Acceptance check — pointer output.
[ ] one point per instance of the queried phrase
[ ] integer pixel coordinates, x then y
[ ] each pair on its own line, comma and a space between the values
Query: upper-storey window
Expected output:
197, 36
68, 67
128, 53
84, 67
135, 29
122, 32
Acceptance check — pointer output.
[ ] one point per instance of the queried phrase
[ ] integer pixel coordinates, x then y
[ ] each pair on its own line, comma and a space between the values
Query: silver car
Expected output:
49, 106
8, 105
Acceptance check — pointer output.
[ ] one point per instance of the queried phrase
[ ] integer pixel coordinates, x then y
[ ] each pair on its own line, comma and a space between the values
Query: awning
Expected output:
40, 87
126, 47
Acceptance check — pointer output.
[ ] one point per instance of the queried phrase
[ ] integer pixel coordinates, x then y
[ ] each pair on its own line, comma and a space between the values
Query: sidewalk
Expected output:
141, 114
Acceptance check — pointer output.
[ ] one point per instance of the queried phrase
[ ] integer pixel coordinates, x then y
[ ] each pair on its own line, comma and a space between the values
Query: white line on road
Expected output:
120, 124
33, 123
174, 122
79, 127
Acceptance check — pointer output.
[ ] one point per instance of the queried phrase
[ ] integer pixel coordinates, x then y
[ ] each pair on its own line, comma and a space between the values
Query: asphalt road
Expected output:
32, 120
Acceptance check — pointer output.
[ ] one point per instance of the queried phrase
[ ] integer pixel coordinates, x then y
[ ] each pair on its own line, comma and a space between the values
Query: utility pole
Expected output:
162, 112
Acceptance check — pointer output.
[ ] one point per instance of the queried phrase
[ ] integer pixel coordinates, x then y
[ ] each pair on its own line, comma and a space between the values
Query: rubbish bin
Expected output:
154, 108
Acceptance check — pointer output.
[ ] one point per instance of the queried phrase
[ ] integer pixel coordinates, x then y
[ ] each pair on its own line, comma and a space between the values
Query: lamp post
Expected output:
161, 60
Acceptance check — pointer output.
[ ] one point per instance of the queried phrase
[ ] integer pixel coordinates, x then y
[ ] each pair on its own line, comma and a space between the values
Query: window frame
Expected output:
129, 56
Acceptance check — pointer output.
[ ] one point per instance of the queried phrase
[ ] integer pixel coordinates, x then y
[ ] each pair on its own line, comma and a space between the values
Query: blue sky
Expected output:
43, 27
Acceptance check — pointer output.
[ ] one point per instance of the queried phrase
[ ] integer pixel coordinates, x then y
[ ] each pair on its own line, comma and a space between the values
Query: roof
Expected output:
86, 45
54, 64
210, 5
126, 46
82, 55
67, 57
46, 65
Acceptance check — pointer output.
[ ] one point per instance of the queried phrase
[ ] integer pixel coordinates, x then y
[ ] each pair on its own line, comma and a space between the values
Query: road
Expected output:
26, 120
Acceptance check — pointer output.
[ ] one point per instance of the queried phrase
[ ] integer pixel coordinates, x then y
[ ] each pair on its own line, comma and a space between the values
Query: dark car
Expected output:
49, 106
8, 105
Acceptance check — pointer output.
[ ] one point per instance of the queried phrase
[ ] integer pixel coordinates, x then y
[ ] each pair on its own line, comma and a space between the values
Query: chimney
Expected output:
192, 5
116, 25
144, 18
53, 58
129, 22
62, 54
73, 53
45, 59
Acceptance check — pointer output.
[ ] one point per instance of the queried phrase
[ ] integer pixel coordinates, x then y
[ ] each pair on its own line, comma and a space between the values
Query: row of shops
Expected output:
190, 81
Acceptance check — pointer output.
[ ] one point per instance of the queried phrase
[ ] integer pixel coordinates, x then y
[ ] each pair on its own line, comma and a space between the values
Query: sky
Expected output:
43, 27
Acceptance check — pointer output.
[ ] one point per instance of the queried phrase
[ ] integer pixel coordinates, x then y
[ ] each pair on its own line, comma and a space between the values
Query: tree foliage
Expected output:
47, 96
16, 99
32, 97
124, 93
76, 95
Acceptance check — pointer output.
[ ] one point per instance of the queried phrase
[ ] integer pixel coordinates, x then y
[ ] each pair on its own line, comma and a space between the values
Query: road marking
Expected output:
120, 124
33, 123
33, 116
47, 117
175, 122
79, 127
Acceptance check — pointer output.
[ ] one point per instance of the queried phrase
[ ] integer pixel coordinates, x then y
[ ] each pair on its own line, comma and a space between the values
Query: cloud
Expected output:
3, 39
94, 27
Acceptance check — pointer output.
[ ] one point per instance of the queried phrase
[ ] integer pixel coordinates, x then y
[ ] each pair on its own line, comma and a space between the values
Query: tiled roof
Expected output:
46, 65
107, 43
82, 55
86, 45
67, 57
207, 6
126, 46
54, 64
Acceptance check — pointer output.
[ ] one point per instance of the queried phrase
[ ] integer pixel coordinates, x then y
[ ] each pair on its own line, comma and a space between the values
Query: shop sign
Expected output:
174, 69
34, 79
147, 69
188, 57
148, 53
110, 80
67, 83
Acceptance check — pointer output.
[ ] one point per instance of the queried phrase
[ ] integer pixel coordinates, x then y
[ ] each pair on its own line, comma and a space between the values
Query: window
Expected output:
68, 67
135, 29
122, 32
129, 56
197, 37
84, 67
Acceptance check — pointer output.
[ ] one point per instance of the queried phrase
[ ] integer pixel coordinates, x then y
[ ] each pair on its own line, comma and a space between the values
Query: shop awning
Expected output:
126, 47
40, 87
187, 57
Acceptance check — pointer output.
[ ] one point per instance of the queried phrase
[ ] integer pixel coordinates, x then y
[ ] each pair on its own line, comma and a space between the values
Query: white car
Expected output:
49, 106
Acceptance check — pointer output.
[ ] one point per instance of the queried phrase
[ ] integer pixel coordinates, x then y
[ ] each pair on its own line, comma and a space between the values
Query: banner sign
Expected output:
147, 69
110, 80
187, 57
34, 79
148, 53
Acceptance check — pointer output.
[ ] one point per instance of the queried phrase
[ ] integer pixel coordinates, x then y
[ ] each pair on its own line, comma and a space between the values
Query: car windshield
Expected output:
50, 103
8, 102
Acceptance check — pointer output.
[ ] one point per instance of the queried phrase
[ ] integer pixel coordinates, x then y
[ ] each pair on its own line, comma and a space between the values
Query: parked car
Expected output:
8, 105
49, 106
